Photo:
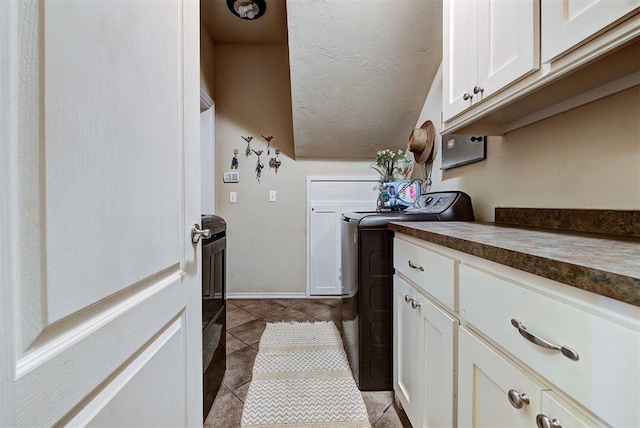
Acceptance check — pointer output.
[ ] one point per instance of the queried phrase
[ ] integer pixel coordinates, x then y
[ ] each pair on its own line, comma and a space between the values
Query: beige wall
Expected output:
588, 157
266, 240
206, 61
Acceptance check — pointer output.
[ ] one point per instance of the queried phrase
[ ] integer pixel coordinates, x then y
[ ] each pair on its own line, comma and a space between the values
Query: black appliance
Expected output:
367, 282
213, 308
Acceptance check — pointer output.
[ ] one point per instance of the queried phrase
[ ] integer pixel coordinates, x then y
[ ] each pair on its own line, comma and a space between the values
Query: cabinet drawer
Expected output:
432, 272
605, 376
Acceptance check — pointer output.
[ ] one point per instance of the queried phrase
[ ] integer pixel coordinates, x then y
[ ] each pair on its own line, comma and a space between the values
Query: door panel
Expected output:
324, 239
436, 336
568, 23
160, 364
102, 178
508, 42
484, 380
459, 56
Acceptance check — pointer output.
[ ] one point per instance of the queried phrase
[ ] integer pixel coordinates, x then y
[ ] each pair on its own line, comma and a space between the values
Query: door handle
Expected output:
566, 351
197, 233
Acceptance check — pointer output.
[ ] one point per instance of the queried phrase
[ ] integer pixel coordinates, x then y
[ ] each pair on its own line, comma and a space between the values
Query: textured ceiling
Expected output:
360, 69
360, 72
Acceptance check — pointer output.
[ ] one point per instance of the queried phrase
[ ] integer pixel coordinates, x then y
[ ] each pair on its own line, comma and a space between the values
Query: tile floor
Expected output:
246, 320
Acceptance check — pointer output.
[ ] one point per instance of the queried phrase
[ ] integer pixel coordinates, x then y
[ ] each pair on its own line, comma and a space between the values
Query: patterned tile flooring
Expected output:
246, 320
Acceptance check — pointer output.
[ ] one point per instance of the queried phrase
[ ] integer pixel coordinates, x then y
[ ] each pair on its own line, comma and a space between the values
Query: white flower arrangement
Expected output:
389, 162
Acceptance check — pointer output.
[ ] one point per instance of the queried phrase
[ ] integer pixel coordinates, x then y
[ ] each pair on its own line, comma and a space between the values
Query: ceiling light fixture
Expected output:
247, 9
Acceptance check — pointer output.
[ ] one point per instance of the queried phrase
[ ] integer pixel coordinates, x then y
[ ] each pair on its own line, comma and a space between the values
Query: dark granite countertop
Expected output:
608, 265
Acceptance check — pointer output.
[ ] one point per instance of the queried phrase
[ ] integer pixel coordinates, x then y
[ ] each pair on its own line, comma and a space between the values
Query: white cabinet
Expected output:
500, 58
567, 23
424, 357
487, 45
586, 342
327, 199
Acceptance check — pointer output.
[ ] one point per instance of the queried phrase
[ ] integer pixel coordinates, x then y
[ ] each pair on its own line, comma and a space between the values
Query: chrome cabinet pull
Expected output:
407, 298
543, 421
516, 399
466, 96
414, 304
197, 233
412, 266
477, 89
567, 352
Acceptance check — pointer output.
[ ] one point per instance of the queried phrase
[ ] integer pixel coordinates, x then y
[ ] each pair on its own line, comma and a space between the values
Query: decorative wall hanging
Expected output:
269, 138
247, 152
275, 162
234, 161
259, 165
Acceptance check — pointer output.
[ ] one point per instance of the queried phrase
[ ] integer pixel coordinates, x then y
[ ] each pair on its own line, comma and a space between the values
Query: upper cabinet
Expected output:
507, 64
568, 23
488, 44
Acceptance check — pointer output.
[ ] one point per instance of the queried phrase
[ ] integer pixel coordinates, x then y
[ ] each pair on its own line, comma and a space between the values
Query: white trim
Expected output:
605, 90
372, 177
206, 101
268, 296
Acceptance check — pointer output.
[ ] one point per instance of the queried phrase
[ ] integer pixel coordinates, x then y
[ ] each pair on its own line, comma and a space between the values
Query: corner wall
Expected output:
588, 157
266, 241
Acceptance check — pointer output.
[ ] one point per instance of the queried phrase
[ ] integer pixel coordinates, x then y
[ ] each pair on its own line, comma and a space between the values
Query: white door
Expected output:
459, 56
485, 378
100, 297
324, 249
567, 23
407, 378
437, 331
508, 43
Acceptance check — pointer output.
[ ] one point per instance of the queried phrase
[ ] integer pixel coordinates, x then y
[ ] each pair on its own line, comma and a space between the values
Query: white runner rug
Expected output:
301, 378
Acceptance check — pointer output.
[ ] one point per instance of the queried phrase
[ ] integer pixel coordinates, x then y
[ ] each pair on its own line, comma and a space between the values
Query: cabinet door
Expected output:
508, 43
459, 56
485, 378
436, 338
324, 249
555, 408
406, 381
567, 23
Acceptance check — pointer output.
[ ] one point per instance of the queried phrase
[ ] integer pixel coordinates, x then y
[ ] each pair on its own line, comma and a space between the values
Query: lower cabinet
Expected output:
494, 392
424, 357
496, 362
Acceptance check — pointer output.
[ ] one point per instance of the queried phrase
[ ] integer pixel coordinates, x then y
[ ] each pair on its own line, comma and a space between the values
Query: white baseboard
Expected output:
276, 296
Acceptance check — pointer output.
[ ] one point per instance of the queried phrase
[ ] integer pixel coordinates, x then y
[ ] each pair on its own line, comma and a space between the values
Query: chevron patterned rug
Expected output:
301, 378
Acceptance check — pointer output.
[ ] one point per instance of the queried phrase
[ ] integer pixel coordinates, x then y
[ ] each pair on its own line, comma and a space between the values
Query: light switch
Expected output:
233, 197
272, 196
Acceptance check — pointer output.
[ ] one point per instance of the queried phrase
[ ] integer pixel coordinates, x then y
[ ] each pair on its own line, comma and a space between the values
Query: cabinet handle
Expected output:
567, 352
412, 266
415, 305
407, 298
516, 399
477, 89
543, 421
466, 96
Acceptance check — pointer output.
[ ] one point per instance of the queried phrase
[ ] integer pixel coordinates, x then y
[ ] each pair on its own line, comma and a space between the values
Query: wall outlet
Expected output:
233, 197
272, 196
